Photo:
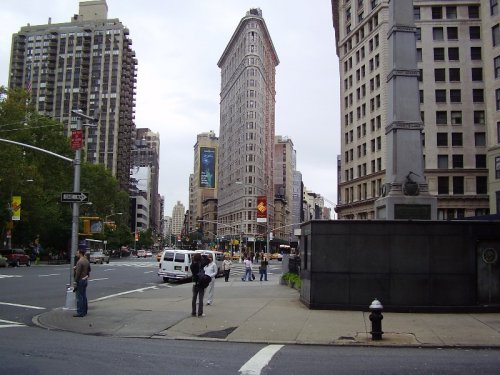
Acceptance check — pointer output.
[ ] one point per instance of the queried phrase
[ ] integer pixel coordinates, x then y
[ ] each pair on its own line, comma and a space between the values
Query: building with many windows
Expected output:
456, 59
87, 64
247, 126
178, 213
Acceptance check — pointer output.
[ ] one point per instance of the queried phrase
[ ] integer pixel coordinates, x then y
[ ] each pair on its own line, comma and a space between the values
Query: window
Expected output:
437, 13
497, 167
474, 11
480, 161
437, 33
443, 185
451, 12
456, 117
474, 32
455, 96
440, 75
442, 139
480, 139
419, 54
458, 185
458, 161
440, 96
493, 7
453, 54
442, 162
475, 53
481, 185
498, 134
479, 117
454, 74
452, 33
456, 139
495, 30
441, 117
478, 95
477, 74
418, 33
416, 13
438, 54
497, 66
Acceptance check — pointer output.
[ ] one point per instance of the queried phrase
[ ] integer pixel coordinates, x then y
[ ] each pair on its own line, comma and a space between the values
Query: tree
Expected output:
40, 178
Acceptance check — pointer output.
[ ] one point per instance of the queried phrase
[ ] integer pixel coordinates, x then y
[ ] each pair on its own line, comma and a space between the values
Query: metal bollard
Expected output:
376, 319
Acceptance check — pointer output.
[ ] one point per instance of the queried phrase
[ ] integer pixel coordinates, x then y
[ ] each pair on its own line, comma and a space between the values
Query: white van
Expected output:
218, 259
174, 264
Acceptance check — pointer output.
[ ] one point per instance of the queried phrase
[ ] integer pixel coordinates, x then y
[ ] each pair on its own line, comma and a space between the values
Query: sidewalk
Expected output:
266, 312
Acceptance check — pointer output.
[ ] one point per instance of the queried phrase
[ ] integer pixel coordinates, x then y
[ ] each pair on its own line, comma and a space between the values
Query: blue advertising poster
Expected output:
207, 167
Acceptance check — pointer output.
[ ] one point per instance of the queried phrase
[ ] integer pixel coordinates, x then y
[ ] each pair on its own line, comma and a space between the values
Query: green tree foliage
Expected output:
40, 178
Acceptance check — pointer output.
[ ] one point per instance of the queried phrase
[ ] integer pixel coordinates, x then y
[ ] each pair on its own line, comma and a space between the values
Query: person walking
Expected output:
226, 267
82, 270
198, 291
248, 270
211, 270
263, 269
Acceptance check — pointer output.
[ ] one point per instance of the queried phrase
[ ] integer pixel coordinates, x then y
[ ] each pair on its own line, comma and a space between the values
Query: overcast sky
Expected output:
178, 44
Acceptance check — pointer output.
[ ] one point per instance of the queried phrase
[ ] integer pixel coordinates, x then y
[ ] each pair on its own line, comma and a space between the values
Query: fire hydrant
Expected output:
376, 319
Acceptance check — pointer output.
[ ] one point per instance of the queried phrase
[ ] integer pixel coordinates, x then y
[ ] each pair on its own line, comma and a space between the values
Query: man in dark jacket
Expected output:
198, 291
82, 270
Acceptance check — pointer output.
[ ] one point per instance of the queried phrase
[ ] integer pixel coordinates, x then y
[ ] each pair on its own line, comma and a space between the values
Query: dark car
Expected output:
16, 257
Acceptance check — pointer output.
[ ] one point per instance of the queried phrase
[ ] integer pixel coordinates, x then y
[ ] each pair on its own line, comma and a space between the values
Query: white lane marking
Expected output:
26, 306
10, 324
7, 276
123, 293
149, 271
50, 274
260, 360
102, 278
109, 269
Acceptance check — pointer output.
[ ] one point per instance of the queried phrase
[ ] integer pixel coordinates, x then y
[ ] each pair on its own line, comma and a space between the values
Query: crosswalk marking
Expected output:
9, 324
8, 276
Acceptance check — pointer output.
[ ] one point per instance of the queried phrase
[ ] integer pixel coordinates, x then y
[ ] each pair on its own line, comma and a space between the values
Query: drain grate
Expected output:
222, 334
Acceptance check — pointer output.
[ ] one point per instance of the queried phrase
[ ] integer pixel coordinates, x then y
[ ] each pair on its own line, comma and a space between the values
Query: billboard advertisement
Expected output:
16, 208
207, 167
261, 209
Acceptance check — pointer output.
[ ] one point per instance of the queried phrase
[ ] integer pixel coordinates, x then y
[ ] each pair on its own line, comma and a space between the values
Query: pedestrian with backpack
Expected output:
211, 270
198, 289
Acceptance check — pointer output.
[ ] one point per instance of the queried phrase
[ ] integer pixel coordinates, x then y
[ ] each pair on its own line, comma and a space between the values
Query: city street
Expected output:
25, 348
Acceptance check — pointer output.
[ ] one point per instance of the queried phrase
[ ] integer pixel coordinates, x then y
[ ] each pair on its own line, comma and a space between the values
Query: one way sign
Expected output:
74, 197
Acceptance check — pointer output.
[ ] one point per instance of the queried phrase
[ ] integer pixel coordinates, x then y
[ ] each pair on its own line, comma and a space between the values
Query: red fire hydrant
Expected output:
376, 319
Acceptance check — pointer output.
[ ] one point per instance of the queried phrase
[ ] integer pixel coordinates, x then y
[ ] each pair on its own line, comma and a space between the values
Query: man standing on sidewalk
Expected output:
226, 268
248, 270
211, 270
82, 269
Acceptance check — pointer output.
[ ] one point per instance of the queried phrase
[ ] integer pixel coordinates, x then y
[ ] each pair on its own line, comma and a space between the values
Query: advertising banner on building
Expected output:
16, 208
207, 167
261, 209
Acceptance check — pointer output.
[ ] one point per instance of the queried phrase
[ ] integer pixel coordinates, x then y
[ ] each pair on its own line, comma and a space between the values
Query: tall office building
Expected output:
87, 64
284, 168
178, 213
454, 57
146, 154
247, 123
203, 185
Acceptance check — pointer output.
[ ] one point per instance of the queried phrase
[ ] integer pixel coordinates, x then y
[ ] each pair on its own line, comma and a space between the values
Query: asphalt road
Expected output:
26, 349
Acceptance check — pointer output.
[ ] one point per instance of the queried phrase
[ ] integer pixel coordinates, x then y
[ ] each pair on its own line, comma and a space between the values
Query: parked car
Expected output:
99, 257
3, 261
149, 253
141, 253
16, 257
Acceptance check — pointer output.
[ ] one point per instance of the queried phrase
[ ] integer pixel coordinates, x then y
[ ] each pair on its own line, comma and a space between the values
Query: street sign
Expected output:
74, 197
